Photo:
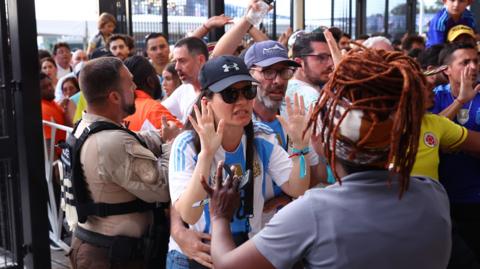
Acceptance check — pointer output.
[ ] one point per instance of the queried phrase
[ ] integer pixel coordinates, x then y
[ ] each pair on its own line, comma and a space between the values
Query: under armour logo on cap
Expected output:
220, 72
227, 68
273, 50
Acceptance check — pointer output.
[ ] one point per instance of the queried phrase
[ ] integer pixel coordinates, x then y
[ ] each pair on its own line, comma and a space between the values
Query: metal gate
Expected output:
23, 200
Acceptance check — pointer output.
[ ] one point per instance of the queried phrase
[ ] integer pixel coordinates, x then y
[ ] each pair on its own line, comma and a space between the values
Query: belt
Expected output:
98, 239
120, 248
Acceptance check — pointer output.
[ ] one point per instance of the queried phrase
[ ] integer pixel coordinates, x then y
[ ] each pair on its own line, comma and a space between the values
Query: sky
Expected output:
66, 9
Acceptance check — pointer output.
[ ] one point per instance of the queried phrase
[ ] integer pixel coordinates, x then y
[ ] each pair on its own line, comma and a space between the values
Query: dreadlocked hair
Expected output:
383, 85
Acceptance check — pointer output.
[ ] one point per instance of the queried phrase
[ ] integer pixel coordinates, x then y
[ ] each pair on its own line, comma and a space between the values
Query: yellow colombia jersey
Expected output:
81, 106
436, 132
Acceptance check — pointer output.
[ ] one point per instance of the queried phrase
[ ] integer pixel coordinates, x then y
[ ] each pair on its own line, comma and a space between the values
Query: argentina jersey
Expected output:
270, 160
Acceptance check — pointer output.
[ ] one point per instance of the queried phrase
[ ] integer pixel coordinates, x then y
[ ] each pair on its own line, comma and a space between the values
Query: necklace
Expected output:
463, 114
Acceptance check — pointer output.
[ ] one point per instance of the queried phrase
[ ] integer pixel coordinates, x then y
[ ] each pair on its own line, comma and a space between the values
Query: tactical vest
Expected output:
76, 200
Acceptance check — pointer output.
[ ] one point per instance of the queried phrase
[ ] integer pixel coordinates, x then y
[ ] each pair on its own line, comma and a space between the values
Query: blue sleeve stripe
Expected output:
180, 152
259, 127
442, 22
206, 213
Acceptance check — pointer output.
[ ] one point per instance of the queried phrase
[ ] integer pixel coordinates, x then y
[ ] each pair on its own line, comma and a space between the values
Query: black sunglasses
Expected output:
230, 95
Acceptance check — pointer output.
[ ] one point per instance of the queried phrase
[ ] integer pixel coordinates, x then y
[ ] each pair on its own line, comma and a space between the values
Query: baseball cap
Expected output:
267, 53
458, 30
220, 72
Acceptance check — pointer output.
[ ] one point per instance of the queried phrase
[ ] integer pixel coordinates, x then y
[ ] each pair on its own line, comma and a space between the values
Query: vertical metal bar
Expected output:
11, 237
332, 13
215, 8
350, 19
165, 18
303, 13
386, 18
411, 13
361, 11
3, 45
23, 33
128, 14
274, 21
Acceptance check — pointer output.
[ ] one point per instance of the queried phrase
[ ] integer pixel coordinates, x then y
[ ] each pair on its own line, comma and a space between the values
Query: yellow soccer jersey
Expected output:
81, 106
437, 132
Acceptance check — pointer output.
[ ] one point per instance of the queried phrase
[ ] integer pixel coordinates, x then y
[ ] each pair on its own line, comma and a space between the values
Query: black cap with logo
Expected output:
221, 72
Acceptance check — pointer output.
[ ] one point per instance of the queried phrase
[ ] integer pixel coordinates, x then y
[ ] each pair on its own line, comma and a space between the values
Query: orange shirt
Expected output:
147, 108
51, 111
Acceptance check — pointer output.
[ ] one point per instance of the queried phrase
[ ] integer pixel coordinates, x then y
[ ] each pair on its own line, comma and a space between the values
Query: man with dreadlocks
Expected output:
376, 215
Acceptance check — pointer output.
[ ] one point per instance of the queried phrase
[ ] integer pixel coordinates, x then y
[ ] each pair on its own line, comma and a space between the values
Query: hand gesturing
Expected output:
467, 92
204, 125
224, 198
297, 122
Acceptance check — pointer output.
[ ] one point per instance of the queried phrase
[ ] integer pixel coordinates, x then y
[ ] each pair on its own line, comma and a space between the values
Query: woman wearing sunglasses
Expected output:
221, 129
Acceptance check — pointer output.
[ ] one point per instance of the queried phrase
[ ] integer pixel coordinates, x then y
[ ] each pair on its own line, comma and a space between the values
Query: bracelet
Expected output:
204, 26
303, 164
250, 28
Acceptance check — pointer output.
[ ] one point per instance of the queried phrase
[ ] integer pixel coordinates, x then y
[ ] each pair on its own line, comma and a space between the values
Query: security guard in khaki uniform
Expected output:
120, 177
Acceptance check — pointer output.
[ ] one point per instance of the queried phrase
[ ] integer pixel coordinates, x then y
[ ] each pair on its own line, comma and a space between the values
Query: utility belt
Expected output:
120, 248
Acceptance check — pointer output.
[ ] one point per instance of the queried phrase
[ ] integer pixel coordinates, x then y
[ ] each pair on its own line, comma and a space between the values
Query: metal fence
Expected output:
184, 16
23, 218
9, 250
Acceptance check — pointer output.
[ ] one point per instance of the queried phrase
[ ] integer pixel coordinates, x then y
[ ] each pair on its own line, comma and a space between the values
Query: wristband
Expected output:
204, 26
303, 164
250, 28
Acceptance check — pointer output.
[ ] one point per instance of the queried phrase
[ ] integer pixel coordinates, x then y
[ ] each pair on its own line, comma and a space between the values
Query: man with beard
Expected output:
269, 65
311, 52
115, 174
120, 46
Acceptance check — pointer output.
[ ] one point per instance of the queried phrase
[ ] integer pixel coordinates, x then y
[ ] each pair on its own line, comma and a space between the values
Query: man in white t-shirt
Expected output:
189, 54
311, 52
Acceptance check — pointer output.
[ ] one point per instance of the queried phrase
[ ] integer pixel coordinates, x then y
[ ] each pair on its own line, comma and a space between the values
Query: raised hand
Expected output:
169, 130
467, 92
332, 45
224, 198
297, 122
283, 39
204, 125
218, 21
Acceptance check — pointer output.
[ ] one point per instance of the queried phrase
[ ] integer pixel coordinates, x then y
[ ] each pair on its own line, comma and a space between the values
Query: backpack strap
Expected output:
84, 203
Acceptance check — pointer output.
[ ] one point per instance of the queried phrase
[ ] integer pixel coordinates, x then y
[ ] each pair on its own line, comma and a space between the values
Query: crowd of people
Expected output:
313, 151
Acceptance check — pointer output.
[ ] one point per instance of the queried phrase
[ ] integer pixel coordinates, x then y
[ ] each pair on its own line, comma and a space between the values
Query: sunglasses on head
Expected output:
230, 95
